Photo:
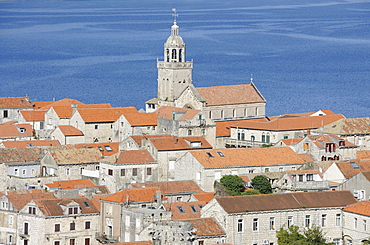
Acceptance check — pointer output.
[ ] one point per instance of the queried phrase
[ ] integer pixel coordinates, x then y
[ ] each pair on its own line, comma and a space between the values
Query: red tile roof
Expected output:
29, 143
349, 126
54, 207
31, 154
290, 123
20, 200
284, 201
171, 187
142, 119
306, 157
363, 155
76, 156
232, 157
291, 141
69, 130
207, 227
71, 184
15, 102
189, 210
349, 171
179, 143
133, 157
102, 147
91, 115
132, 195
62, 102
16, 130
167, 112
230, 94
362, 208
204, 196
34, 115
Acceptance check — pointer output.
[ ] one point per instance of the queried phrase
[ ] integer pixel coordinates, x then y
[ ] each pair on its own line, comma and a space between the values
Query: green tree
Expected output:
262, 184
234, 184
292, 236
251, 192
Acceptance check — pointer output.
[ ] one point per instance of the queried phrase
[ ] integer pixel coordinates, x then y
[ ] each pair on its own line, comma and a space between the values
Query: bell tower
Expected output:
174, 72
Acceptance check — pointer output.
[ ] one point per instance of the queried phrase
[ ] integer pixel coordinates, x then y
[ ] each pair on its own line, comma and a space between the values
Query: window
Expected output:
272, 223
337, 241
338, 220
364, 224
123, 172
240, 225
10, 239
72, 226
127, 222
149, 171
267, 170
220, 154
251, 171
134, 172
290, 221
110, 172
100, 148
31, 210
73, 210
217, 175
25, 228
108, 148
281, 169
306, 146
57, 227
355, 223
268, 138
300, 178
323, 220
263, 138
255, 224
5, 113
96, 126
209, 154
193, 208
181, 209
286, 137
16, 171
72, 241
87, 241
67, 171
11, 219
179, 199
190, 132
307, 221
87, 225
309, 177
56, 242
23, 172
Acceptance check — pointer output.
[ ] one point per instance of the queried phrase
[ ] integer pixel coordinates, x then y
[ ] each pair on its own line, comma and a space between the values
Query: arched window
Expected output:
239, 137
180, 55
263, 138
168, 55
174, 54
267, 138
253, 138
243, 135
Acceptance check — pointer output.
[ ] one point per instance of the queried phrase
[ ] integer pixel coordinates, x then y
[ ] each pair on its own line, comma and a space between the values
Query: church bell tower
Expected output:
174, 72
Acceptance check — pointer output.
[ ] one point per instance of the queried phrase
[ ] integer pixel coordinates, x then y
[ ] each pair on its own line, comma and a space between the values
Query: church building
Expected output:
219, 103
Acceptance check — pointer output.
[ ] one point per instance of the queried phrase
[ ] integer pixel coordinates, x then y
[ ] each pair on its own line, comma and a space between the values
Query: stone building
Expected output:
255, 219
16, 132
10, 107
359, 185
356, 225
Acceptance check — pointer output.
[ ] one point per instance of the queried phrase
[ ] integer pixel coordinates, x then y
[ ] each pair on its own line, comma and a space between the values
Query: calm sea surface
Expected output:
304, 55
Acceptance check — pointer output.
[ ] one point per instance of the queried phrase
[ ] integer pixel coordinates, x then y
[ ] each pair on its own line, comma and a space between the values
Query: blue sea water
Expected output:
304, 55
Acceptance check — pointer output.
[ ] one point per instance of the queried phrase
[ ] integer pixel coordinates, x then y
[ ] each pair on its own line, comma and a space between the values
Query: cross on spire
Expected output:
174, 14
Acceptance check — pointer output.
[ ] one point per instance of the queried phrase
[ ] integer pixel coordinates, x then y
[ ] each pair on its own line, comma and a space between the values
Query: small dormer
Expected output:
71, 209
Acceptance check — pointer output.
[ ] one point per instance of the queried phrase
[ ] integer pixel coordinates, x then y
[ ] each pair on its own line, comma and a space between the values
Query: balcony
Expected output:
104, 238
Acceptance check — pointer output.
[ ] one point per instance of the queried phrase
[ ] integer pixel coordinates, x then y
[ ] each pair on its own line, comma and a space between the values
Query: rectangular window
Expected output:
181, 209
134, 172
267, 170
355, 223
306, 146
307, 221
87, 241
290, 221
57, 227
365, 226
272, 223
16, 171
300, 178
127, 220
72, 241
338, 221
149, 171
309, 177
240, 225
123, 172
23, 172
323, 220
72, 226
110, 172
56, 242
193, 208
10, 217
281, 169
67, 171
5, 114
96, 126
31, 210
255, 224
87, 225
25, 230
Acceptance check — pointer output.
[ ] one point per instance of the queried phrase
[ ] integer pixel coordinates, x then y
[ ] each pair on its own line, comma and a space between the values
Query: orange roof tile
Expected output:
167, 112
62, 102
171, 187
306, 157
71, 184
204, 196
20, 200
230, 94
107, 149
349, 126
245, 178
349, 171
35, 115
8, 155
132, 195
16, 130
134, 157
207, 227
91, 115
39, 104
178, 143
142, 119
291, 141
232, 157
290, 123
184, 210
69, 130
29, 143
76, 156
362, 208
363, 155
15, 102
223, 128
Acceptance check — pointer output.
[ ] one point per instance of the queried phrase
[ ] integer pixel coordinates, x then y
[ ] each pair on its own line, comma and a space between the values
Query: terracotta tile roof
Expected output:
15, 102
349, 126
167, 112
322, 139
138, 138
34, 115
230, 94
106, 105
69, 130
91, 115
10, 155
184, 210
132, 195
76, 156
71, 184
306, 157
62, 102
291, 141
283, 201
366, 175
363, 155
223, 128
348, 170
207, 227
362, 208
179, 143
29, 143
290, 123
142, 119
20, 200
204, 196
16, 130
245, 178
232, 157
39, 104
171, 187
53, 207
131, 157
96, 200
107, 149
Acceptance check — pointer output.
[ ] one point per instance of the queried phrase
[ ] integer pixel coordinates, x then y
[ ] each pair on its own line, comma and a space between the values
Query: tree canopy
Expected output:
262, 184
310, 236
234, 184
